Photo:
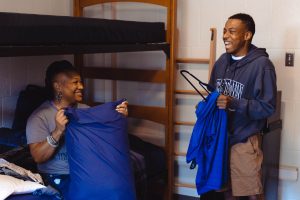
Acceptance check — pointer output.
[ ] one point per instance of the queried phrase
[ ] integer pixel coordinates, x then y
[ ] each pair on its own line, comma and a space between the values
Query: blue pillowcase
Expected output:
98, 153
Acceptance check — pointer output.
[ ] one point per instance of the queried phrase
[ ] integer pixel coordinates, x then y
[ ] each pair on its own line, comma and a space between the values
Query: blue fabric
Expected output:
29, 197
208, 146
12, 138
98, 154
59, 182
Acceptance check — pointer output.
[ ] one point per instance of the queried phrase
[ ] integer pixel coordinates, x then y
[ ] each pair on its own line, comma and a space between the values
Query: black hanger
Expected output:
203, 85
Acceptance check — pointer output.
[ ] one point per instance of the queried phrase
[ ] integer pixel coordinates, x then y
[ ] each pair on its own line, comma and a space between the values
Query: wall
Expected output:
278, 29
277, 23
16, 73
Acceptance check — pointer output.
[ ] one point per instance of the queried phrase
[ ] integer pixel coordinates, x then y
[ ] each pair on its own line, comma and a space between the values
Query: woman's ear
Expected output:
56, 86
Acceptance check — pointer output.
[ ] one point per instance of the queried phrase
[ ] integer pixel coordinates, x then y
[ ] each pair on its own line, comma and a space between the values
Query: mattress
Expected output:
32, 29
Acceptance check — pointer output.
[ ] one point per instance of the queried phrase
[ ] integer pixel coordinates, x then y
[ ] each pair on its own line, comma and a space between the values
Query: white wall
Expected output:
278, 29
16, 73
47, 7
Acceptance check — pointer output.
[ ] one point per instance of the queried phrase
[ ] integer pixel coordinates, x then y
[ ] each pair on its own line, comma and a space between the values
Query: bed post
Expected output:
170, 65
78, 12
114, 56
212, 52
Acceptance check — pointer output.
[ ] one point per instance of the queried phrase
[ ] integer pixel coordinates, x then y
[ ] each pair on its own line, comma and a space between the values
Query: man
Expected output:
246, 79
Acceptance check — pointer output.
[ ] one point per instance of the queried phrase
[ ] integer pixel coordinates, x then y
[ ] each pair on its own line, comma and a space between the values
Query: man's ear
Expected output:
248, 36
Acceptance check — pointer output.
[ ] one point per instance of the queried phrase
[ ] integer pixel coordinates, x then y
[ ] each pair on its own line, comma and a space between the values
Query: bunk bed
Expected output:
34, 35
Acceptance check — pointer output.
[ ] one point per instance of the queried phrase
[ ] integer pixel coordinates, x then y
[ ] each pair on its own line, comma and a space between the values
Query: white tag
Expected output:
57, 181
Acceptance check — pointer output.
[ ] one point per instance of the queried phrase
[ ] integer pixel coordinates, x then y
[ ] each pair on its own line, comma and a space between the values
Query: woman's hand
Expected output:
60, 120
123, 108
42, 151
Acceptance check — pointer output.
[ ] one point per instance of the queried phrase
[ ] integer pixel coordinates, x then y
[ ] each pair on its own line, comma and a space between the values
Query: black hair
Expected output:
55, 68
247, 20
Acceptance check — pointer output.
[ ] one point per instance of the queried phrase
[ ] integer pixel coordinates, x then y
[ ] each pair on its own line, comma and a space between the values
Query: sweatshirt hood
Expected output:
253, 54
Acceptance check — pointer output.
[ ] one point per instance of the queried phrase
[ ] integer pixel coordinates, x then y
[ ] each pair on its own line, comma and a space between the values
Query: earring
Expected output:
58, 96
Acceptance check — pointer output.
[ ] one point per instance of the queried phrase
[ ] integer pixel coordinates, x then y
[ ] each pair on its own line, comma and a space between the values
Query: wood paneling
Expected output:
154, 76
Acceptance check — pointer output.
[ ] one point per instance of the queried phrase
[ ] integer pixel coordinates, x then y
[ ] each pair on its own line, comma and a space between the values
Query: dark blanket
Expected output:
32, 29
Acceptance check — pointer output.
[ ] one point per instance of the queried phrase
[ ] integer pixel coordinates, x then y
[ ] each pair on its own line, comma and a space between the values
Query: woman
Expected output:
46, 126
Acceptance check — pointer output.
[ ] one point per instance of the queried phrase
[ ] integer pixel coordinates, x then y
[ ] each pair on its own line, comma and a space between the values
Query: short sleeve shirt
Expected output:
41, 124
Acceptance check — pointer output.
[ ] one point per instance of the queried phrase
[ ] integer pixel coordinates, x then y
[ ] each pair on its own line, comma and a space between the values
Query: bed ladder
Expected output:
210, 61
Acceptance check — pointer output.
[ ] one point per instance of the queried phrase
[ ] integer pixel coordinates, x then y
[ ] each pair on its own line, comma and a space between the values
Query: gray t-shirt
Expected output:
40, 124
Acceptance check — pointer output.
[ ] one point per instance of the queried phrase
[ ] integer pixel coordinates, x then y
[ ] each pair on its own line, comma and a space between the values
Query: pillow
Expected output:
11, 185
6, 187
100, 164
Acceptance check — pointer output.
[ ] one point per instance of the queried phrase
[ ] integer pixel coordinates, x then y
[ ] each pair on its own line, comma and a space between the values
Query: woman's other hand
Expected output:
123, 108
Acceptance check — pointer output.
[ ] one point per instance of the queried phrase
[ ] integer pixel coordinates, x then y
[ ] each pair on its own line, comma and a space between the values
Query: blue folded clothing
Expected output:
208, 146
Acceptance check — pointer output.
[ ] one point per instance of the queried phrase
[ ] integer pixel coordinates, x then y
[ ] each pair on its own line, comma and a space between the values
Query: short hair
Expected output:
247, 20
55, 68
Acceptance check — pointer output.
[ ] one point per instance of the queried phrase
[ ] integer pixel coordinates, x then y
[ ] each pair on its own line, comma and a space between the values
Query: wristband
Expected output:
51, 141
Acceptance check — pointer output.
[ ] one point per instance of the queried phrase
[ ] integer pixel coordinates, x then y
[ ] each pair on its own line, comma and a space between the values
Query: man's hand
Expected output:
223, 101
123, 108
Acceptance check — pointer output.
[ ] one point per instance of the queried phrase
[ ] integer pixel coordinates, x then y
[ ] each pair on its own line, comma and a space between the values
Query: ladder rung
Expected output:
193, 60
186, 185
191, 92
179, 154
185, 123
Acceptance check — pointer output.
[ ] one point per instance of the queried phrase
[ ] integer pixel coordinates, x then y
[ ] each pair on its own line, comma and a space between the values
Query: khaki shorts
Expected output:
245, 167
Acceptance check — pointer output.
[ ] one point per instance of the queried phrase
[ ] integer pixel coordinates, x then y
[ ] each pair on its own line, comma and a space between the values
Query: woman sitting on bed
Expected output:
46, 126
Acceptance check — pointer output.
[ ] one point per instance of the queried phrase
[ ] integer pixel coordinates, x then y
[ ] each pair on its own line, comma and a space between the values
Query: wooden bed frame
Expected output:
161, 115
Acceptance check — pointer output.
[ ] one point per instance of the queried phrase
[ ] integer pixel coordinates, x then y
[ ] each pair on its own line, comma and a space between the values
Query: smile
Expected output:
78, 93
227, 44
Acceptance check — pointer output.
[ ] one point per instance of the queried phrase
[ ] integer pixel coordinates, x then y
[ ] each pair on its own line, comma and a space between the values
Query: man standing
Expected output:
246, 79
